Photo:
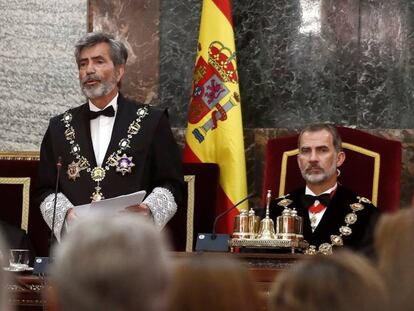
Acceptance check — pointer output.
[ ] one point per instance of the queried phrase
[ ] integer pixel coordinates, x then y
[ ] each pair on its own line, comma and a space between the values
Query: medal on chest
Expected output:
118, 160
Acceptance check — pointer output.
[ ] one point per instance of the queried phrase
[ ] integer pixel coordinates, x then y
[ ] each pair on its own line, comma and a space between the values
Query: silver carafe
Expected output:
241, 225
289, 226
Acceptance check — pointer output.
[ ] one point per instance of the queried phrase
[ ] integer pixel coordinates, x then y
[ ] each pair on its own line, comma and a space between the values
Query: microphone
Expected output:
213, 236
58, 167
217, 242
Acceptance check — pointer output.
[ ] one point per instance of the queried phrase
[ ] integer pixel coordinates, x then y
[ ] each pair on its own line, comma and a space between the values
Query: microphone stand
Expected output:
217, 242
58, 167
213, 236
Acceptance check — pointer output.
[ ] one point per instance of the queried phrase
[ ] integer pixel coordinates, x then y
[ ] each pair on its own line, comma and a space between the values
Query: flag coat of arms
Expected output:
215, 130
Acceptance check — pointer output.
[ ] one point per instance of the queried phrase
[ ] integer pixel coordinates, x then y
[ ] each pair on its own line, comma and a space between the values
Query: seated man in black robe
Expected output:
333, 216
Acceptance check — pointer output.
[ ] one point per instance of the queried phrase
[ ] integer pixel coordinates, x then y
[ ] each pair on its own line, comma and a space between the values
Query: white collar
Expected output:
308, 191
113, 103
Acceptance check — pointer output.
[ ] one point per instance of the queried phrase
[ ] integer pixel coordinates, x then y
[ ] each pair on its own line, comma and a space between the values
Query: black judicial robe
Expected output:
154, 152
361, 238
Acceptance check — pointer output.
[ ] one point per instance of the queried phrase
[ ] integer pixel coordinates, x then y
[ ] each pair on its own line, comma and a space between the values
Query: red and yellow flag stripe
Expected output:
215, 130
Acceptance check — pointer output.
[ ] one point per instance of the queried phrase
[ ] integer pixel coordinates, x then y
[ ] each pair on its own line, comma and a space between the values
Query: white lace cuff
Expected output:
162, 205
62, 206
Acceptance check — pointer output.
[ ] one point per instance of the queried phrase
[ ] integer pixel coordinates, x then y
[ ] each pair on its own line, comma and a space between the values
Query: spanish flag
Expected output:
215, 130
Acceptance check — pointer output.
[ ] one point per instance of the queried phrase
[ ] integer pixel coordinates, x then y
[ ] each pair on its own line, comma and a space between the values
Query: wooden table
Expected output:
26, 291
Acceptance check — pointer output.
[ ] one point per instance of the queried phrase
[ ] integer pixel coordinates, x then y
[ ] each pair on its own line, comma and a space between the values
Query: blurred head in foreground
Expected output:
205, 283
111, 263
343, 281
394, 243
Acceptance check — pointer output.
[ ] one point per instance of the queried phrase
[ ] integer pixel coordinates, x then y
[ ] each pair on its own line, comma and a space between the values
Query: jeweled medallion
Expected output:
124, 164
67, 117
311, 250
364, 200
336, 240
345, 230
313, 220
75, 149
134, 128
70, 133
73, 170
357, 207
325, 249
97, 195
351, 218
83, 163
141, 112
124, 144
98, 173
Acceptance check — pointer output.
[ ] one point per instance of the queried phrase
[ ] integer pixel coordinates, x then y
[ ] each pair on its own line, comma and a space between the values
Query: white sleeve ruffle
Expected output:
62, 206
162, 204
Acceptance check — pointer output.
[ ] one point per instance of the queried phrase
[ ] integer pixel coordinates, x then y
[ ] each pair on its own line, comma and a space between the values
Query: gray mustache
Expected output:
90, 78
313, 166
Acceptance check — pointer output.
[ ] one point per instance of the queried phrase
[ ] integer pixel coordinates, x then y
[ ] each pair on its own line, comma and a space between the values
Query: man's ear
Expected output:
120, 70
340, 158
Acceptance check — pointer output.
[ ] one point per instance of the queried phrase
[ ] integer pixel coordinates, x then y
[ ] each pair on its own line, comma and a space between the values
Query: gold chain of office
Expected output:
336, 239
118, 159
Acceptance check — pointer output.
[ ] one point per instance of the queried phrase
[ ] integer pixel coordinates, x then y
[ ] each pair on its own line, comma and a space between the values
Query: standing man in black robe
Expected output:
109, 146
333, 216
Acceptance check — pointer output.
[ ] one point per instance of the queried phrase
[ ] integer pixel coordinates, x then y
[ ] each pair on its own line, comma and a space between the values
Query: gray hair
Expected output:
344, 281
336, 138
112, 263
118, 51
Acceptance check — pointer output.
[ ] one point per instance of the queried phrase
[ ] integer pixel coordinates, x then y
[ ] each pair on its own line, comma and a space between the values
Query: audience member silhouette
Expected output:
204, 283
395, 250
111, 263
342, 282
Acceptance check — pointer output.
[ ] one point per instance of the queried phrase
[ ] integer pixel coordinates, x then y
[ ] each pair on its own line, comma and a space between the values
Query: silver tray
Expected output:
274, 243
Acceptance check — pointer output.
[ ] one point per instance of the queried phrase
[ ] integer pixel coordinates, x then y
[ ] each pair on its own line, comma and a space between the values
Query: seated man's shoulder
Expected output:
358, 204
351, 197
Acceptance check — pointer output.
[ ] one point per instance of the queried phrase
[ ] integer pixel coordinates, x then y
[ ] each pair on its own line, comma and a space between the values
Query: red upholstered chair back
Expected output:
372, 167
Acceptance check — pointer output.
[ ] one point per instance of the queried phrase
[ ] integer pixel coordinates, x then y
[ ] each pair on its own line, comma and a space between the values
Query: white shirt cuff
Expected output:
162, 204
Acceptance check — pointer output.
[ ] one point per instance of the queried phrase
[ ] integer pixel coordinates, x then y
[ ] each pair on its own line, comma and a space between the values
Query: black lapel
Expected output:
83, 137
332, 219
